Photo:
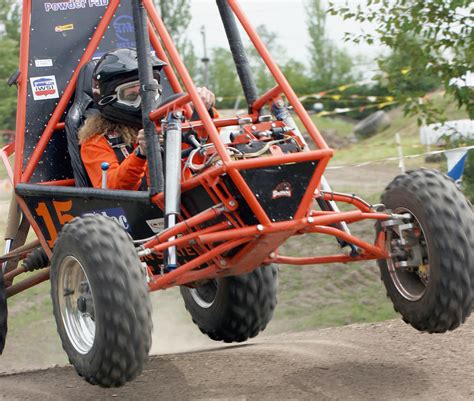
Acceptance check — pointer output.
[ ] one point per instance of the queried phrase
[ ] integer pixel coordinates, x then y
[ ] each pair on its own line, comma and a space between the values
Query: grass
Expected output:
383, 145
337, 126
365, 303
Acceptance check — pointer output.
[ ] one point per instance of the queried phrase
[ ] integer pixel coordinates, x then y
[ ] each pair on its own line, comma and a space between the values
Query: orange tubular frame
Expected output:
252, 245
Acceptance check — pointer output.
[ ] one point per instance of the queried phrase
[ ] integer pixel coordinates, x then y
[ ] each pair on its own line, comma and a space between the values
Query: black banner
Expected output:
60, 33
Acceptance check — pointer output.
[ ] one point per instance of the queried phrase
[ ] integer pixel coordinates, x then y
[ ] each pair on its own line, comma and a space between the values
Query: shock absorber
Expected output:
173, 140
281, 113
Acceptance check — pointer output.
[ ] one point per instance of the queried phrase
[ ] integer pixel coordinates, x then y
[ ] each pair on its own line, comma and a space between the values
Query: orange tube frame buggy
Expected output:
253, 245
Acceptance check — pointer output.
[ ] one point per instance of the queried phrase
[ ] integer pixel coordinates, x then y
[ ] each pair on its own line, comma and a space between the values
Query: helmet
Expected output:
115, 85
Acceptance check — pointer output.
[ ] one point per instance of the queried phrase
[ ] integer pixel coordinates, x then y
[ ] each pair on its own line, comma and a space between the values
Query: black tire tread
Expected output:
449, 223
122, 304
250, 302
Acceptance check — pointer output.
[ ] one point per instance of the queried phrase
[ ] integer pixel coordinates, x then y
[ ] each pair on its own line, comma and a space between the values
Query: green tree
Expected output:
330, 66
296, 74
176, 15
444, 43
190, 59
407, 75
223, 77
262, 76
468, 177
295, 71
9, 54
10, 19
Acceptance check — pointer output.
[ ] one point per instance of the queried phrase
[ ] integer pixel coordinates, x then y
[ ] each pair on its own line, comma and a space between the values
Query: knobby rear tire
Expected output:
103, 256
235, 308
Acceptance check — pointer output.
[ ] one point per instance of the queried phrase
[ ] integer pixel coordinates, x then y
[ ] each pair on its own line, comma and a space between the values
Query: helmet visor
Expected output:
128, 93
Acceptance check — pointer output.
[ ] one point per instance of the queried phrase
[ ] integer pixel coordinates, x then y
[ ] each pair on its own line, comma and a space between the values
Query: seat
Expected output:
82, 107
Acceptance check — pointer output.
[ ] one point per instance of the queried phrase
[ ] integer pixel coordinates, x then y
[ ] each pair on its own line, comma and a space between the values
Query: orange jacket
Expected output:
126, 175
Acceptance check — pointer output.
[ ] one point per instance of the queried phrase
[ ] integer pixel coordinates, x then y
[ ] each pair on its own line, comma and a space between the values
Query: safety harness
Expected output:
122, 151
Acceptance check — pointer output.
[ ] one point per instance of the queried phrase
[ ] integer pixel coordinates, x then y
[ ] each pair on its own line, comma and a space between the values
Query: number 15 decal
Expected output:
60, 208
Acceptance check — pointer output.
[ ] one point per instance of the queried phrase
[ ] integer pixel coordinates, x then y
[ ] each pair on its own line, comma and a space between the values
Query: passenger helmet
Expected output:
116, 72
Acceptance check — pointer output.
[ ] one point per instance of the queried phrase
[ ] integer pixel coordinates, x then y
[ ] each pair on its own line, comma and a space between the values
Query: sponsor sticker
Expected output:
62, 28
46, 62
117, 214
73, 5
282, 190
124, 31
156, 225
44, 87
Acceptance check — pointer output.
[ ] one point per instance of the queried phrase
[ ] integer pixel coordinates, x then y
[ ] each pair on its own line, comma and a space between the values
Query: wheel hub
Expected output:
76, 303
408, 263
82, 304
205, 294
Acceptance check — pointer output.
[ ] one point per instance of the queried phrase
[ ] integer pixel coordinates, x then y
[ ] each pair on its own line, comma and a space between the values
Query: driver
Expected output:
114, 135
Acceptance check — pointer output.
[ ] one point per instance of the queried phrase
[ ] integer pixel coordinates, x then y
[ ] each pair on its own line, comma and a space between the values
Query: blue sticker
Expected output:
124, 31
44, 87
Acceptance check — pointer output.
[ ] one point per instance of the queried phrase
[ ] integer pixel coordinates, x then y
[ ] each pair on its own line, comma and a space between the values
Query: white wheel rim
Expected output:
72, 285
205, 295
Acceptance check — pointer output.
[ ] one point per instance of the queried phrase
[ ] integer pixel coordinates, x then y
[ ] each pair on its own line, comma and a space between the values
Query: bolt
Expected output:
223, 262
279, 104
260, 227
82, 304
272, 255
232, 203
310, 220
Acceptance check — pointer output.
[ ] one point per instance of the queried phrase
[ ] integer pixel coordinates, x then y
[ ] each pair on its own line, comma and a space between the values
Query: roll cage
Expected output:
228, 219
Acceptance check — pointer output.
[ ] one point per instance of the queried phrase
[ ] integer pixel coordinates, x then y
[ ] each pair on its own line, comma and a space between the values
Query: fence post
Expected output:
401, 159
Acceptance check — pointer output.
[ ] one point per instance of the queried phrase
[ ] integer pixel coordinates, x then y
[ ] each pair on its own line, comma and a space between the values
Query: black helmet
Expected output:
116, 72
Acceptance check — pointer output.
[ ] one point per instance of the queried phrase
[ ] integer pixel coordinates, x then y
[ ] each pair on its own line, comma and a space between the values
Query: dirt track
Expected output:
367, 361
363, 362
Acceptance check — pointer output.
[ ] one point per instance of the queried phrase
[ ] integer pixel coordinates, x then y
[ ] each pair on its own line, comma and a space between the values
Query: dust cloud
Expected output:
174, 331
